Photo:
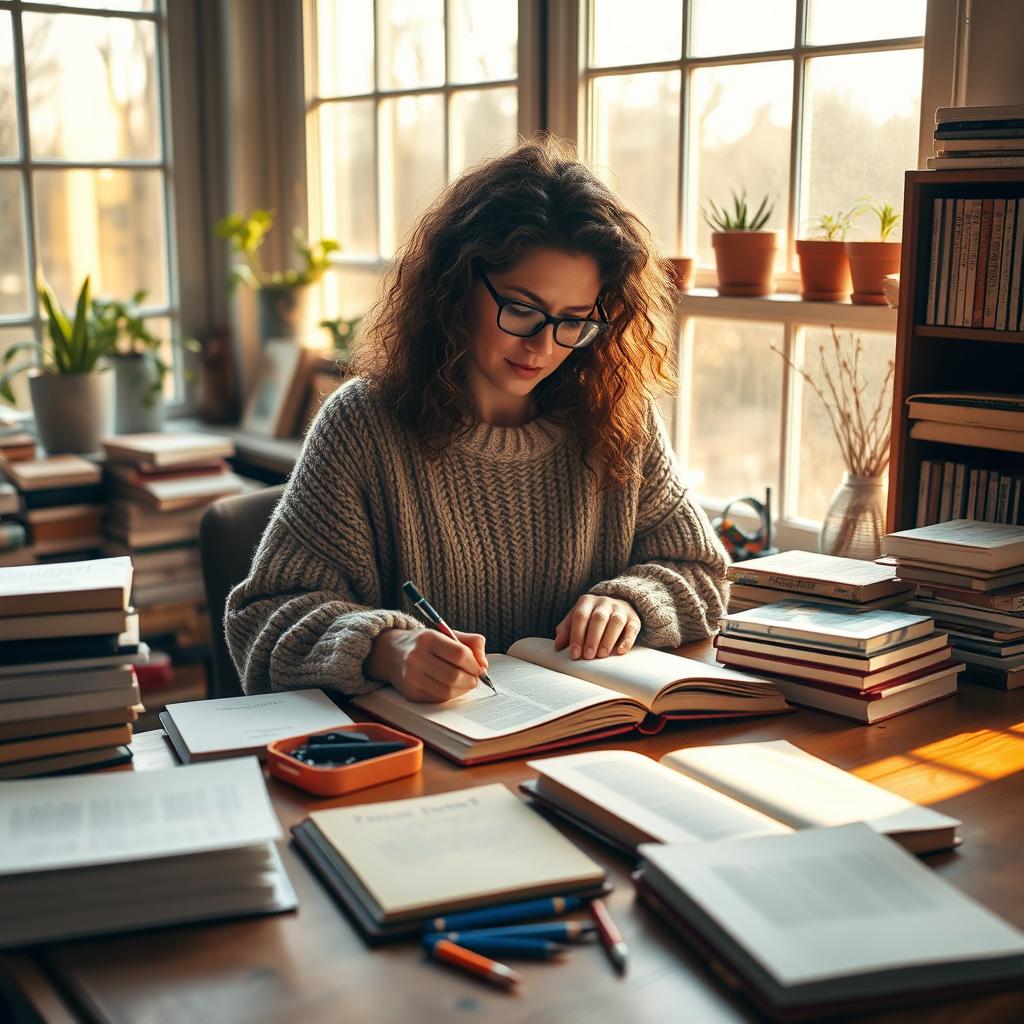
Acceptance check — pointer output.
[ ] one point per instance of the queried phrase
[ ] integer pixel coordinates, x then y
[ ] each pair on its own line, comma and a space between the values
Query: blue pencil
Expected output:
552, 931
524, 949
491, 916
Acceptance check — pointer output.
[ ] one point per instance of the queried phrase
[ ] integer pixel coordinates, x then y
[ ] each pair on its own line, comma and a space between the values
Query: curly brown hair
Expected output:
414, 345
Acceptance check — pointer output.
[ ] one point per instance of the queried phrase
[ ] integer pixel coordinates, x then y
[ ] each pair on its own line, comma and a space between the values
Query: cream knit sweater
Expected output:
503, 533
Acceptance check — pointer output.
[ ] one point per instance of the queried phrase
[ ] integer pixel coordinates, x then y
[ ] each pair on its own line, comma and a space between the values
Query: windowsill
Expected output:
787, 307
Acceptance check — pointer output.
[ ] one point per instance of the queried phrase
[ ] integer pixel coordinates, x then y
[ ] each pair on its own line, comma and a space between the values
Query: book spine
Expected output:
946, 501
1003, 501
796, 585
981, 265
922, 493
942, 302
1003, 131
972, 494
933, 264
979, 505
969, 244
1015, 502
972, 163
1013, 322
959, 488
995, 252
992, 503
1005, 263
959, 211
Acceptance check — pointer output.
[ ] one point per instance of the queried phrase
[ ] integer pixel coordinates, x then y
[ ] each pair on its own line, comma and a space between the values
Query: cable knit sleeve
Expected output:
676, 576
309, 611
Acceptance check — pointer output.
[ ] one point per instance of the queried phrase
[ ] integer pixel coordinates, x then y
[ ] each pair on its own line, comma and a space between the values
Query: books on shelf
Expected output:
964, 140
547, 700
825, 921
973, 437
504, 853
234, 726
976, 262
185, 844
959, 490
699, 794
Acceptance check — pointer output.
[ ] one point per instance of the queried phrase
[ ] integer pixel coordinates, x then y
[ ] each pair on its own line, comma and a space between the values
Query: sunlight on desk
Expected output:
949, 767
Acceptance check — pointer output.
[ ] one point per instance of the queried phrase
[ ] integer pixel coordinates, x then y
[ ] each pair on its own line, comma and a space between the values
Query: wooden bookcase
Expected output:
943, 358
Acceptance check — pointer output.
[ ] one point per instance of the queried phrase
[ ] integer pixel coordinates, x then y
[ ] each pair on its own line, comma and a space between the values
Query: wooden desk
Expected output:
963, 755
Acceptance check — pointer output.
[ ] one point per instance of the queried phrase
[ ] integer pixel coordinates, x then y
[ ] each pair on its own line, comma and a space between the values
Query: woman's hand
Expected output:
424, 665
597, 627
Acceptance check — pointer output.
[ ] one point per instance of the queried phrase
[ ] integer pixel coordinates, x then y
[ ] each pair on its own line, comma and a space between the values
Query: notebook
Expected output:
828, 921
699, 794
202, 730
395, 865
547, 700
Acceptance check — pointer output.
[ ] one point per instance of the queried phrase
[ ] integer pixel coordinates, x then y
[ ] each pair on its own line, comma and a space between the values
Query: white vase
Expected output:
855, 522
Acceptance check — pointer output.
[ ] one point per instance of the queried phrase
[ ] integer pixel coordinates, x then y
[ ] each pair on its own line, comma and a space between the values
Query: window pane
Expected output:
739, 139
108, 224
821, 465
735, 409
829, 21
344, 47
109, 5
11, 336
483, 37
13, 261
743, 26
411, 162
868, 104
9, 143
634, 144
95, 88
483, 123
347, 187
410, 40
620, 36
349, 291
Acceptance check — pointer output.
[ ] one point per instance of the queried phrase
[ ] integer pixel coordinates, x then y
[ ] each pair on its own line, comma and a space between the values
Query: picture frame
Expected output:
273, 405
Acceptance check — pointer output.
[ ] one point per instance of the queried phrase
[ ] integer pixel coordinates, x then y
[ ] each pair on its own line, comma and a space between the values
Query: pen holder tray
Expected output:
349, 777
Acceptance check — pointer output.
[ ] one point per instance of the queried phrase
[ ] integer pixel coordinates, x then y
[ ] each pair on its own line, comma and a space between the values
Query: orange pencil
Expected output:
611, 938
491, 970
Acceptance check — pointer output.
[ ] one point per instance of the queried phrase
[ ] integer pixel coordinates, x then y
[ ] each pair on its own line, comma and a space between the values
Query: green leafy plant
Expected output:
740, 218
123, 332
343, 333
71, 346
832, 227
886, 213
248, 232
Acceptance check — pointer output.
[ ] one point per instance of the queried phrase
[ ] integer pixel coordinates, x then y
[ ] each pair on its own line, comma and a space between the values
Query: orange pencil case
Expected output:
338, 781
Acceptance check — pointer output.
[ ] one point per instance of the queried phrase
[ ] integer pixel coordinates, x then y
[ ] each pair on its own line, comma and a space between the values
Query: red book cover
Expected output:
984, 242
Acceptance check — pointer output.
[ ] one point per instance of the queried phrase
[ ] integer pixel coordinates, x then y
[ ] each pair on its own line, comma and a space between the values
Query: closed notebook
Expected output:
829, 921
202, 730
699, 794
547, 700
396, 864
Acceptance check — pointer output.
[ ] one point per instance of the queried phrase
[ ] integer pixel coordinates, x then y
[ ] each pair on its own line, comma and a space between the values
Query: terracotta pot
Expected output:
745, 261
684, 268
869, 263
824, 270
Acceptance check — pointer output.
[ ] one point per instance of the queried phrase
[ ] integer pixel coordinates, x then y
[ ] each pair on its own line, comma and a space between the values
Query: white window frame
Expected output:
25, 163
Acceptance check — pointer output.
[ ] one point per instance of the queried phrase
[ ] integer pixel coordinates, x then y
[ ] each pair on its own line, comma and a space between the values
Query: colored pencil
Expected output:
474, 963
552, 931
490, 917
611, 938
499, 945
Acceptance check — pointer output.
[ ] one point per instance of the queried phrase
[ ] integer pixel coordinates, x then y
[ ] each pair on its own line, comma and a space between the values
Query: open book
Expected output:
546, 700
729, 790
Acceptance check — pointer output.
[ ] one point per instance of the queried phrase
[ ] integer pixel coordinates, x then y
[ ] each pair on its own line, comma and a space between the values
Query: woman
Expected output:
500, 448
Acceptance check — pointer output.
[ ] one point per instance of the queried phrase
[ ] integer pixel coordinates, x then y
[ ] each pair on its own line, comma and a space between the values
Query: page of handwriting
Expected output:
528, 695
438, 850
642, 673
666, 805
793, 786
96, 819
827, 902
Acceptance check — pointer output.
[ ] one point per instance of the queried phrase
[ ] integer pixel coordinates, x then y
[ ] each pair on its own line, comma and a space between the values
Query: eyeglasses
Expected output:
524, 321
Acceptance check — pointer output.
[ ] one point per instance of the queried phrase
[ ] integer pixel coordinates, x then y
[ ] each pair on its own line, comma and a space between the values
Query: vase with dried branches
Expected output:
855, 522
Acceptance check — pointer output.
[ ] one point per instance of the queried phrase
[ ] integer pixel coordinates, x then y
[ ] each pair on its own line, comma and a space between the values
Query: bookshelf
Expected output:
933, 358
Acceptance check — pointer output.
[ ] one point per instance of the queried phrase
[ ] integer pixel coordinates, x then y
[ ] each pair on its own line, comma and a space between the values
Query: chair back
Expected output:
229, 531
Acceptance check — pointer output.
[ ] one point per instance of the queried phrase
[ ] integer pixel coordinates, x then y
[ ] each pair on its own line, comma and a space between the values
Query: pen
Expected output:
436, 621
492, 916
552, 931
491, 970
611, 938
522, 949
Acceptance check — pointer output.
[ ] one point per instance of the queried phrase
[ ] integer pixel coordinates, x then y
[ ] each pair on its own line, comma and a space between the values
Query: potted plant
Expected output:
139, 371
284, 295
744, 251
71, 393
824, 266
870, 262
683, 271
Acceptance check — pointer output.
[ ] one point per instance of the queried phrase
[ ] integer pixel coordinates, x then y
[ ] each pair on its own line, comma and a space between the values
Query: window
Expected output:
402, 96
84, 168
815, 103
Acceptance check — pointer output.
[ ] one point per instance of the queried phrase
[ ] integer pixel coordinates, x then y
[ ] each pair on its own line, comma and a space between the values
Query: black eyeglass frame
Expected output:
502, 301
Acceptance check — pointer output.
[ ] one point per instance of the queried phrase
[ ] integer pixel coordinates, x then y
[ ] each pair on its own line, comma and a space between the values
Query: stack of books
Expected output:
825, 579
976, 137
160, 485
14, 548
864, 665
970, 577
68, 695
62, 506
